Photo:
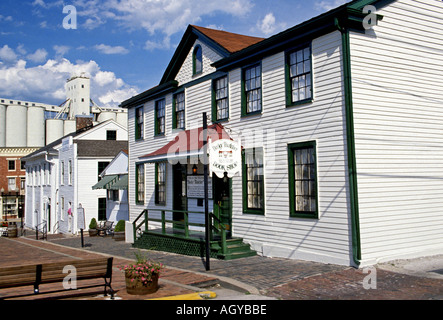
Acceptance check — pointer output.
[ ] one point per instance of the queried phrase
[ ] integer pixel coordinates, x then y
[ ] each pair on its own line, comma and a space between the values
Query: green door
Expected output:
223, 202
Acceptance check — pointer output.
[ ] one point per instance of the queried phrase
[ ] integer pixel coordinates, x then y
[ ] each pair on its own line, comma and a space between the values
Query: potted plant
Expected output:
93, 228
119, 231
142, 277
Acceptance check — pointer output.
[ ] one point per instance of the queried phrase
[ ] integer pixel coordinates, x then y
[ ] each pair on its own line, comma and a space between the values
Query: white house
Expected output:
114, 179
340, 121
59, 176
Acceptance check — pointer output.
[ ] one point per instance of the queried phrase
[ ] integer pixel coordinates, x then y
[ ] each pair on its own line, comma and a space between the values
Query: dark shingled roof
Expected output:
100, 148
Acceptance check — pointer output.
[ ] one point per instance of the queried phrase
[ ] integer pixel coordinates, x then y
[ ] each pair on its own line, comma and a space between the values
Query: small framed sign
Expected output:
195, 187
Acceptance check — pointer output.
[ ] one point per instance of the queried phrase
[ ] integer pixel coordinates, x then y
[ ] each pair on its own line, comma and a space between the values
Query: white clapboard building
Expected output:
340, 123
60, 177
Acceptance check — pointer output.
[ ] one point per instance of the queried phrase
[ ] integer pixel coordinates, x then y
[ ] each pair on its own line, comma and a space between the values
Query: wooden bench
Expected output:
105, 228
37, 274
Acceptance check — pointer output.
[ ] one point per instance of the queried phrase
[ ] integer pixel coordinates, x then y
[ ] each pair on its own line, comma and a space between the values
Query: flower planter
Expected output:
93, 232
135, 286
12, 230
119, 236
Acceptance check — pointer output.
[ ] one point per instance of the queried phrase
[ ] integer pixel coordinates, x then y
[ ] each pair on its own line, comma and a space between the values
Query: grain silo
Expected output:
122, 118
54, 130
2, 126
25, 124
36, 127
69, 127
105, 116
16, 126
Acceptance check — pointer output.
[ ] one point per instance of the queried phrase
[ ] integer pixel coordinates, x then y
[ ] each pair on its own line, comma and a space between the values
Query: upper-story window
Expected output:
160, 106
220, 99
111, 134
139, 123
11, 165
197, 59
300, 76
62, 173
179, 111
252, 92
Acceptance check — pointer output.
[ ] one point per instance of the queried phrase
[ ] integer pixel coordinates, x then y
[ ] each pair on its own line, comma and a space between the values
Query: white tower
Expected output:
79, 95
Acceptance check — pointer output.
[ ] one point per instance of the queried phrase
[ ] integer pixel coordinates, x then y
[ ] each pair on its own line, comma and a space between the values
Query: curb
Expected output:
191, 296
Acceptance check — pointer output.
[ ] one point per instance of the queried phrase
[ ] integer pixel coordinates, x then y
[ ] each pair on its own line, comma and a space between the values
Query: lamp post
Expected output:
205, 160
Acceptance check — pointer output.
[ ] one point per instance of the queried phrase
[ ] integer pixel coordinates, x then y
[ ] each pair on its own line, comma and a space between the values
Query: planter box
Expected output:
119, 236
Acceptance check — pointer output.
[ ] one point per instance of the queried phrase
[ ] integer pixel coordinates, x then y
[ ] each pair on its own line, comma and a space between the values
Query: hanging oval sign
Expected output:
224, 156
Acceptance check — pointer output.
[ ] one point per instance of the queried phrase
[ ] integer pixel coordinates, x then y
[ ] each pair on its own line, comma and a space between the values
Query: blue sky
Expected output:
123, 45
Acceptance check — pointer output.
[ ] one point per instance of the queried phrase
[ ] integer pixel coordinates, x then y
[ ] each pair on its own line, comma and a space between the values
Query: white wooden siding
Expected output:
397, 74
186, 71
275, 234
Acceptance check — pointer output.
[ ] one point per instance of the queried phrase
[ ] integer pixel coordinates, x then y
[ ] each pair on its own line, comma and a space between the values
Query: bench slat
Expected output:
53, 272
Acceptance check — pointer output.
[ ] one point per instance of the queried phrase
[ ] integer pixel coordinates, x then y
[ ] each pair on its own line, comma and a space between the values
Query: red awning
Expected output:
187, 143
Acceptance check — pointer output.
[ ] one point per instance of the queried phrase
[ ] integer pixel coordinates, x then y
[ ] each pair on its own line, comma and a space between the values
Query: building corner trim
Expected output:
350, 139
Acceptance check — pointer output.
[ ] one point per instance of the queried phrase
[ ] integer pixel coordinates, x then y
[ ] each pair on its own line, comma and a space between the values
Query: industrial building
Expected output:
28, 126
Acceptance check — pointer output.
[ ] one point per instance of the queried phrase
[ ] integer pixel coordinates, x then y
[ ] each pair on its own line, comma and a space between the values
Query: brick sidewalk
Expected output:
281, 278
21, 251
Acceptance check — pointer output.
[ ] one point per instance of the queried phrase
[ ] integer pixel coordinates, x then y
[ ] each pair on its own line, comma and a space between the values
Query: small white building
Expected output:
114, 179
59, 176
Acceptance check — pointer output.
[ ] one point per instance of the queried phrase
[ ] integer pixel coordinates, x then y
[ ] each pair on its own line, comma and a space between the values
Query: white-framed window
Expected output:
11, 184
70, 172
62, 173
62, 208
11, 165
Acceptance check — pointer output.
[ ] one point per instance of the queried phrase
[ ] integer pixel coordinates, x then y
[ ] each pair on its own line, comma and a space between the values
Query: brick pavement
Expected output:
21, 251
294, 279
348, 285
281, 278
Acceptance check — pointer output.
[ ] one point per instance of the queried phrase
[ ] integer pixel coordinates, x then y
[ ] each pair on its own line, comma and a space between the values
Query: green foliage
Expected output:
120, 226
93, 224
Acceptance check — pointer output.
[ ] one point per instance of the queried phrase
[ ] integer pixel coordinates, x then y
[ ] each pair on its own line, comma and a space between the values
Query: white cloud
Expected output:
46, 82
104, 78
164, 17
170, 17
60, 51
327, 5
152, 45
7, 54
6, 19
269, 25
103, 48
38, 56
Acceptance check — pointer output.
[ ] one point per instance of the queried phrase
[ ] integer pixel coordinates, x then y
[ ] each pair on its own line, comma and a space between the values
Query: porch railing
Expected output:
43, 229
216, 226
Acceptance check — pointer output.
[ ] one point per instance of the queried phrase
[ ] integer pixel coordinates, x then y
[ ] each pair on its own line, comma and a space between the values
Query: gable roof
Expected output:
231, 42
225, 43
